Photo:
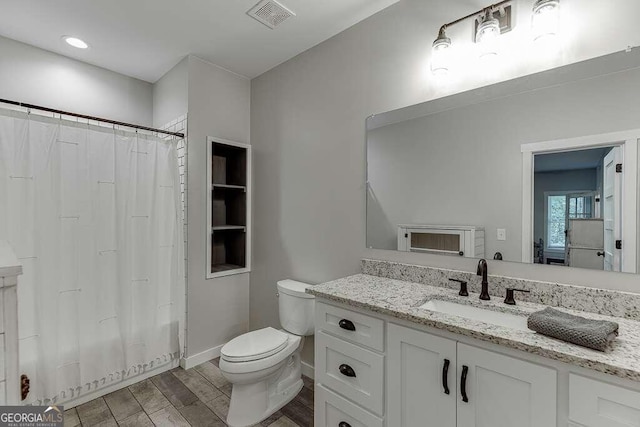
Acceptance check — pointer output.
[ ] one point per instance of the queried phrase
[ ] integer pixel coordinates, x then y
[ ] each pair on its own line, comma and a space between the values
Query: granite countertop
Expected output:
401, 299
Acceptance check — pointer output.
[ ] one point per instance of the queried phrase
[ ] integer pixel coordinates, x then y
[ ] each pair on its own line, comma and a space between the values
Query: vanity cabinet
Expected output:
375, 370
398, 376
438, 382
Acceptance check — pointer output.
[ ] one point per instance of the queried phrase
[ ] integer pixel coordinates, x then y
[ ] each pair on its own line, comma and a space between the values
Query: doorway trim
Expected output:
628, 141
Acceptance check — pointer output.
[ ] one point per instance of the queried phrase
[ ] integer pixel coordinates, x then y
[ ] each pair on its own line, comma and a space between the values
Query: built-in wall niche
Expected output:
229, 207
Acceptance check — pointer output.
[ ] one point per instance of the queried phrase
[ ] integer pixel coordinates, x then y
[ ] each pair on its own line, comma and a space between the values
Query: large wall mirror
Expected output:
541, 169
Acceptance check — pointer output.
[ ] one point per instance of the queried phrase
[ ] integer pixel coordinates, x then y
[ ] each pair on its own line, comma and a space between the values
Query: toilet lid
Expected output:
254, 345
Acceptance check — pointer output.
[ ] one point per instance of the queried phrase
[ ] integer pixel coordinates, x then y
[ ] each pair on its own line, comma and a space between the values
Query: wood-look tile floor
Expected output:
198, 397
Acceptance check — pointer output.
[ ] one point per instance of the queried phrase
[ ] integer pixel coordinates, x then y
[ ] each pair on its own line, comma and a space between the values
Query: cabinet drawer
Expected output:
597, 404
331, 410
351, 371
367, 330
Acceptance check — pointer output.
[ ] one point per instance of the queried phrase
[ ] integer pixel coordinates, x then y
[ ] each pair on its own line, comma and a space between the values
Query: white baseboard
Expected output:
308, 370
120, 385
203, 356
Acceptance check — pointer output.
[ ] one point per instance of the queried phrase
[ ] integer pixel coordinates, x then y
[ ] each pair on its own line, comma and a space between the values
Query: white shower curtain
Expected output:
95, 216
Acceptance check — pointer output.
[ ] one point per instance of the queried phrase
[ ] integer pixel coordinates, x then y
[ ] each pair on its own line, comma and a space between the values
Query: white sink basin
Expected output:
473, 313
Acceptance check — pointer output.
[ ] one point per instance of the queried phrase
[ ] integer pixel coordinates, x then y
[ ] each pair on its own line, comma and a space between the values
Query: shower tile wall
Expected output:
180, 125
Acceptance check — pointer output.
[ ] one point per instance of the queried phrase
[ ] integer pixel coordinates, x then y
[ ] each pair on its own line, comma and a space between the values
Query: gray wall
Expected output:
574, 180
32, 75
217, 309
171, 93
307, 122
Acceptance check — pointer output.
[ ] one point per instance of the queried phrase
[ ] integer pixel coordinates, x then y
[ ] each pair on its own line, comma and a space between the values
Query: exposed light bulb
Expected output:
441, 54
545, 21
487, 37
75, 42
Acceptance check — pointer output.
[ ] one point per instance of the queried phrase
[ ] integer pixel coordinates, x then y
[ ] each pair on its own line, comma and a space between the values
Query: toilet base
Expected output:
246, 416
252, 403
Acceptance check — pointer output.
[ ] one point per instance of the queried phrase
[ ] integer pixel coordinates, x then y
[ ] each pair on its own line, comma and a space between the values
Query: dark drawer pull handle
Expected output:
445, 376
347, 324
347, 370
344, 424
463, 383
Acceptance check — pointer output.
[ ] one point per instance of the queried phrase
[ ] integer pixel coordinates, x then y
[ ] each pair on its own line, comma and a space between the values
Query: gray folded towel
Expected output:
595, 334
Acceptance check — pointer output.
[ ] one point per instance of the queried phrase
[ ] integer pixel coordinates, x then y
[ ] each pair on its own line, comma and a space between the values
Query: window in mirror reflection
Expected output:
560, 209
556, 221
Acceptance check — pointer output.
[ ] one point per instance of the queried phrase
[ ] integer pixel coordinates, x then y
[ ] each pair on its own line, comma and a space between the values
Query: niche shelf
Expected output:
229, 207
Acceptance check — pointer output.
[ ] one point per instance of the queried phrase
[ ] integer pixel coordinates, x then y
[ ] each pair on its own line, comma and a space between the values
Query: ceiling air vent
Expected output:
270, 13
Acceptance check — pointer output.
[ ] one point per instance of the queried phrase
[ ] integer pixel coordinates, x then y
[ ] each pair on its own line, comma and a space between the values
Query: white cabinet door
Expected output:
417, 378
501, 391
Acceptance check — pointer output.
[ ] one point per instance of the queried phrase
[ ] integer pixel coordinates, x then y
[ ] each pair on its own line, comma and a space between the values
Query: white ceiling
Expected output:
570, 160
146, 38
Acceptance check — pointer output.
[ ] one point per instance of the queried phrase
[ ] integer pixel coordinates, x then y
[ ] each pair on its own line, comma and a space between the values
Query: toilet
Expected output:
264, 365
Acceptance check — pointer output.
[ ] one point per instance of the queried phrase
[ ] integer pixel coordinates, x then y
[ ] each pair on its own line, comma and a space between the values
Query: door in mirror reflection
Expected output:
612, 210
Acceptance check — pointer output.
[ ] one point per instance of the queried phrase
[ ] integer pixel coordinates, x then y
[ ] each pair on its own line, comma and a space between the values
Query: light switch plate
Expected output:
502, 234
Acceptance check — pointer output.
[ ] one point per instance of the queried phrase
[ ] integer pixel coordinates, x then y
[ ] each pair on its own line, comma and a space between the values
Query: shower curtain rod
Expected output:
83, 116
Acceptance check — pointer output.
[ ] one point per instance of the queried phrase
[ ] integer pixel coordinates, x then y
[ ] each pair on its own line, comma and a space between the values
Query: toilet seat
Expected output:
255, 345
293, 343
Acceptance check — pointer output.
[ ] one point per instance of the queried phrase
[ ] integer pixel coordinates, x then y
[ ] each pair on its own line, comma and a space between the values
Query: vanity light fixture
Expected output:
490, 22
441, 59
75, 42
545, 21
487, 36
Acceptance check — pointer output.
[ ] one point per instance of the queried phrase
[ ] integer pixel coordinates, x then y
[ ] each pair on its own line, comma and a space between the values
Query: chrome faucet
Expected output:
482, 271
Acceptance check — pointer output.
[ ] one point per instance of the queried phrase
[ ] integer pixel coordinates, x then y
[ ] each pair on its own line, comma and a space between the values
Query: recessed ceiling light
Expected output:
75, 42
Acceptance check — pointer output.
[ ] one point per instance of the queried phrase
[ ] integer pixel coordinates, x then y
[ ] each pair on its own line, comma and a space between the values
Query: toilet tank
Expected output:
296, 307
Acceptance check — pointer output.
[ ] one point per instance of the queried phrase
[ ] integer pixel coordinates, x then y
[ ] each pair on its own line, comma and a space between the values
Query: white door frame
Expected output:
628, 140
